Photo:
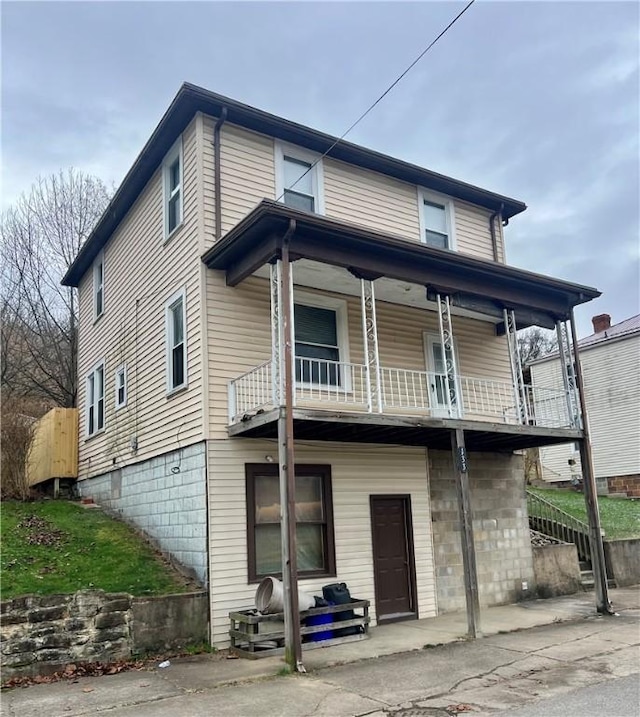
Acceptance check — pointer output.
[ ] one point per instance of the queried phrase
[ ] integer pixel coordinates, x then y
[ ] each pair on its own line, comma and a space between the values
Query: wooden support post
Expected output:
603, 604
466, 532
286, 459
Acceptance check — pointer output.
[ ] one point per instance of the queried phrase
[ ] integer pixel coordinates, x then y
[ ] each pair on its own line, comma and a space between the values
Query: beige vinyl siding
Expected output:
351, 193
141, 272
612, 387
239, 329
356, 473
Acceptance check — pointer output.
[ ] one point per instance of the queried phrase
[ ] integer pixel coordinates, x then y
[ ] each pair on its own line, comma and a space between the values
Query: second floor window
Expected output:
299, 179
176, 342
95, 399
98, 287
172, 187
121, 387
436, 221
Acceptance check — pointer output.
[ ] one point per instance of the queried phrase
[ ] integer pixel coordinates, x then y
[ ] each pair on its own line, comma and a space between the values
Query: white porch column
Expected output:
519, 389
446, 341
567, 366
370, 337
277, 335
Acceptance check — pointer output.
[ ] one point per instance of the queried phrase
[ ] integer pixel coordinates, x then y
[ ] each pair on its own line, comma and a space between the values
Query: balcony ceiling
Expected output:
475, 285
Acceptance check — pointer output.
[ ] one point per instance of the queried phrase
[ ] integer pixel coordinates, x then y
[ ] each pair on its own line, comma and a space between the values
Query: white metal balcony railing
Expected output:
321, 383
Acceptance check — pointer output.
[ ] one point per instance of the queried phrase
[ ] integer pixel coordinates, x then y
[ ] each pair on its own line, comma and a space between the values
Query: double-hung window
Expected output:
172, 188
314, 521
98, 286
176, 343
319, 345
95, 399
299, 179
121, 386
436, 221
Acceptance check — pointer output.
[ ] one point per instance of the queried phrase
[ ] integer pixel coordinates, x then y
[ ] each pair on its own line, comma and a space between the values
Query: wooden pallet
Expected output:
249, 629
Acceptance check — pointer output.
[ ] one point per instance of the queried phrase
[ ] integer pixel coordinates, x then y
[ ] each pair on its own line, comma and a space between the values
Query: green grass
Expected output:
619, 518
78, 549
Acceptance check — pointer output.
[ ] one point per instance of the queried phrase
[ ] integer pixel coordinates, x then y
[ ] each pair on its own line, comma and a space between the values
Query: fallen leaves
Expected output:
41, 532
73, 672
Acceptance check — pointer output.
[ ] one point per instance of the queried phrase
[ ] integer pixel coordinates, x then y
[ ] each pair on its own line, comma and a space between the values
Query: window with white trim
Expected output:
172, 188
320, 341
299, 178
121, 386
95, 400
175, 324
98, 286
436, 221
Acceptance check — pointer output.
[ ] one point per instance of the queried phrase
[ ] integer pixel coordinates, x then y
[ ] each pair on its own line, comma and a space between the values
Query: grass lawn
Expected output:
51, 547
619, 518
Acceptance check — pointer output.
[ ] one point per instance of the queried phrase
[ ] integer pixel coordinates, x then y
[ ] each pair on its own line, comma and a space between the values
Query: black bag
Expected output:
338, 594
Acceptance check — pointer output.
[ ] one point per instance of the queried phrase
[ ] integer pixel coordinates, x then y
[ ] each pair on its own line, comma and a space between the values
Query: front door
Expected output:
393, 561
441, 388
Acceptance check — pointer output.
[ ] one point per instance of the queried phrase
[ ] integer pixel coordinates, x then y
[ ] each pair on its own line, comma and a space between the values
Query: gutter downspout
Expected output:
492, 229
216, 168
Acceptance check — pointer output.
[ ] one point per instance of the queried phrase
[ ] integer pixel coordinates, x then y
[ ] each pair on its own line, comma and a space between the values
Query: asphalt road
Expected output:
617, 698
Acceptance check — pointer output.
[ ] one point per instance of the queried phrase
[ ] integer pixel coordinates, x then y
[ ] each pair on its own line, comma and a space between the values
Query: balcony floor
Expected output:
353, 427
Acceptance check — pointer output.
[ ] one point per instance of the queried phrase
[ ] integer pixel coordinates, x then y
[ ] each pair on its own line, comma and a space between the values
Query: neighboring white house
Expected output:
610, 360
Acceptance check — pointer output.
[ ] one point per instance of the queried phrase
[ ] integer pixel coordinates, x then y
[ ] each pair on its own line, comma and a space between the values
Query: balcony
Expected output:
332, 386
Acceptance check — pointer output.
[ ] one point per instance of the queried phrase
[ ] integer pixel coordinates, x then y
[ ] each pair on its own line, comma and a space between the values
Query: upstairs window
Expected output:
172, 188
299, 179
175, 321
436, 221
317, 349
121, 387
95, 399
98, 286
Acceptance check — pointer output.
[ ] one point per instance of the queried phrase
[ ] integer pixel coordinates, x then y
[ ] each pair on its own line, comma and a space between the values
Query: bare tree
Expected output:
40, 236
534, 343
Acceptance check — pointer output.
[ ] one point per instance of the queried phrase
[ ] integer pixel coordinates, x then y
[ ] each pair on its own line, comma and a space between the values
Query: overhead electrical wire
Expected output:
383, 95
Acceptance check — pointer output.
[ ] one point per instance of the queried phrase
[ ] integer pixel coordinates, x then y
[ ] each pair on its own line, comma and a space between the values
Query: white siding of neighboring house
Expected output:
351, 193
612, 385
141, 271
357, 472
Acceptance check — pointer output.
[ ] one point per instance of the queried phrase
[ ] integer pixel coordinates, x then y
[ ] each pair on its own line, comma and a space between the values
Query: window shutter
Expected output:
315, 325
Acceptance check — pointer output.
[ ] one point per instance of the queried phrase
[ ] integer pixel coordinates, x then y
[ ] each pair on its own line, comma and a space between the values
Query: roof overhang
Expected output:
475, 284
191, 99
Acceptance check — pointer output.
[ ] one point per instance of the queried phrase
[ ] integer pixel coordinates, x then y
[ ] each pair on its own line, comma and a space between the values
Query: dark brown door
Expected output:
393, 563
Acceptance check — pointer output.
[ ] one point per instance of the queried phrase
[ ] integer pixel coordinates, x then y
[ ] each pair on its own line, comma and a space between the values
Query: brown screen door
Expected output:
393, 562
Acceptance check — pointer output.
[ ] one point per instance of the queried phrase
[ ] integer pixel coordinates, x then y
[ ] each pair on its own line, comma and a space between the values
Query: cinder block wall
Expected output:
501, 530
166, 498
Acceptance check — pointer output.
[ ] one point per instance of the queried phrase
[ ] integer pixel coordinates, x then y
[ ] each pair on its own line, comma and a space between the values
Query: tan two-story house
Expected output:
238, 238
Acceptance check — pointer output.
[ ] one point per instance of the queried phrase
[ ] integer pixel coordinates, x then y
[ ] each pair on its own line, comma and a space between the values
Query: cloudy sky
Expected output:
536, 100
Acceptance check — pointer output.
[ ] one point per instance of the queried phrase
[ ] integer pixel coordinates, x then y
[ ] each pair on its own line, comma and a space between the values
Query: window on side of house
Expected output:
98, 286
436, 221
95, 400
121, 386
314, 521
321, 350
172, 188
175, 323
299, 179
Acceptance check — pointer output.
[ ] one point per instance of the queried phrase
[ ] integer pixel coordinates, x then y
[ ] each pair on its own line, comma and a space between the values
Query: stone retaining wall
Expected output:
626, 485
42, 634
556, 569
623, 561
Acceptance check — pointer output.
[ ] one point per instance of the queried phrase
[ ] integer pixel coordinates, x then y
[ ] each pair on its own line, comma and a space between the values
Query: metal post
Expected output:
466, 532
603, 604
277, 373
562, 349
446, 339
519, 389
370, 337
286, 458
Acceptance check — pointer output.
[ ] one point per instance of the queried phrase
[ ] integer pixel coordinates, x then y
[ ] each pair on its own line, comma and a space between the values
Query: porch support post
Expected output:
446, 341
370, 337
460, 466
603, 604
568, 374
277, 373
286, 461
519, 389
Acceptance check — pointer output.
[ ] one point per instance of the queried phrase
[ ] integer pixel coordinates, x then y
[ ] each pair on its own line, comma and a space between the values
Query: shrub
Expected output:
16, 435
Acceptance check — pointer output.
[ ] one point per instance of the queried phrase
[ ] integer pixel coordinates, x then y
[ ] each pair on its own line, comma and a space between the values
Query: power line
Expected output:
383, 95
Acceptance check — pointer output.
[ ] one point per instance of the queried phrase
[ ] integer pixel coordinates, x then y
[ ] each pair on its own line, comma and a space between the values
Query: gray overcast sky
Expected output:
537, 100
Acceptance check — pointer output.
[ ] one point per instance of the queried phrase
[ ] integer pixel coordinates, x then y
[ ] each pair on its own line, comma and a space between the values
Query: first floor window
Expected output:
176, 343
95, 399
121, 387
314, 521
316, 345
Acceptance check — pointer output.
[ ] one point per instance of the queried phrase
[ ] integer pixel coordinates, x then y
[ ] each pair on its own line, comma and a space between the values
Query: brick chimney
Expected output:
601, 322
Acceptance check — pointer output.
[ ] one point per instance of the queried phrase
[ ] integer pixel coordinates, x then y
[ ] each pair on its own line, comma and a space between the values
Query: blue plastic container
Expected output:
312, 621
